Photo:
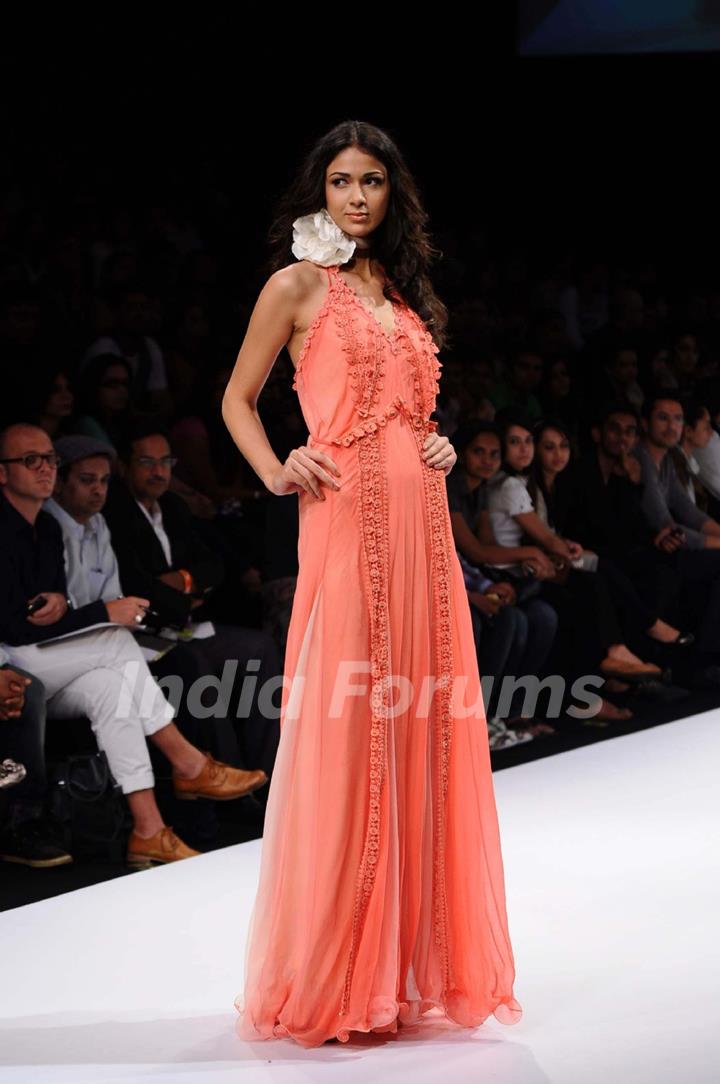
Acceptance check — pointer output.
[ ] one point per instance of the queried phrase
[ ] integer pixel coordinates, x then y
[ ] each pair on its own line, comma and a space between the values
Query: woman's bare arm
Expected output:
483, 548
271, 325
532, 525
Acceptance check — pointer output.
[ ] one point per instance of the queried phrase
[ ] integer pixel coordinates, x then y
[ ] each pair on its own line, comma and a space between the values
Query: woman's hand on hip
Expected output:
305, 470
439, 453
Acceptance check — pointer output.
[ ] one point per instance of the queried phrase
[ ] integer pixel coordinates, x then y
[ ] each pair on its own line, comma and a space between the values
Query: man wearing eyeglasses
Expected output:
88, 676
163, 558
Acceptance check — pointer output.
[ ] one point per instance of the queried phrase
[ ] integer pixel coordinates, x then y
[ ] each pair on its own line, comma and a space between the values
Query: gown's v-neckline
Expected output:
389, 335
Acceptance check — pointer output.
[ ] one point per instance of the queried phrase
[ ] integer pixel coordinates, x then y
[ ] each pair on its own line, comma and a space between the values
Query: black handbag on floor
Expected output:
88, 805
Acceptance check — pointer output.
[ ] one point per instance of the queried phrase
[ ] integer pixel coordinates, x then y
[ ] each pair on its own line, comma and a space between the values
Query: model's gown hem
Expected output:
384, 1014
381, 886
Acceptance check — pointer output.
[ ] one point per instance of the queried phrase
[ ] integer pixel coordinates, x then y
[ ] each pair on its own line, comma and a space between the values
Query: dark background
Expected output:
597, 151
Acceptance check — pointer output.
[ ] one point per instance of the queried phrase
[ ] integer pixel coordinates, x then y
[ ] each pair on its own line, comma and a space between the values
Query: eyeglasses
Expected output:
151, 461
34, 460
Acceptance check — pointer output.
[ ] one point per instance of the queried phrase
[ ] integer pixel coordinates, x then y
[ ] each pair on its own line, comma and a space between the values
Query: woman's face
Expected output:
114, 391
625, 367
559, 380
686, 354
356, 191
700, 433
481, 458
519, 447
60, 401
553, 451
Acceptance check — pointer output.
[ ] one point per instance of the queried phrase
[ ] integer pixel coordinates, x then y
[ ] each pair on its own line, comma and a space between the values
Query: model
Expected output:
381, 892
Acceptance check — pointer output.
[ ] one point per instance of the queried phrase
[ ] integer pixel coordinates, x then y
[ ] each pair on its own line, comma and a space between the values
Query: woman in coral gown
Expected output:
381, 892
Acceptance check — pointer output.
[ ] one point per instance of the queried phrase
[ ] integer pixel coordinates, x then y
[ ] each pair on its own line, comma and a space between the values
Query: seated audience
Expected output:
88, 674
579, 597
665, 502
639, 615
513, 637
522, 379
129, 305
697, 433
161, 557
103, 399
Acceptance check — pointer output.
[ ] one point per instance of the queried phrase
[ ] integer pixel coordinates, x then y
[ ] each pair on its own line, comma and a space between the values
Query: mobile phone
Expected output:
35, 605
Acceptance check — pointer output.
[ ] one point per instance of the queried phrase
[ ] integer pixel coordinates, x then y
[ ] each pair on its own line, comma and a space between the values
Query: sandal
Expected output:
534, 726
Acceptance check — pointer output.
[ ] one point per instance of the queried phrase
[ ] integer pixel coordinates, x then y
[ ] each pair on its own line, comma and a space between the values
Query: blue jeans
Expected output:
516, 642
23, 739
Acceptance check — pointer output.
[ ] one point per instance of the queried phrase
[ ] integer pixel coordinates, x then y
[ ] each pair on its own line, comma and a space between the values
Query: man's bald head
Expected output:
25, 486
18, 434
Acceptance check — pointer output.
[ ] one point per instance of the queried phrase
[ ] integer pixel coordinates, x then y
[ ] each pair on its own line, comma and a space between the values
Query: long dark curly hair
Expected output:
401, 242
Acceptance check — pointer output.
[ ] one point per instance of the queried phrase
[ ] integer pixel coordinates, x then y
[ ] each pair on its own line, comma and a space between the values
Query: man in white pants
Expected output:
88, 673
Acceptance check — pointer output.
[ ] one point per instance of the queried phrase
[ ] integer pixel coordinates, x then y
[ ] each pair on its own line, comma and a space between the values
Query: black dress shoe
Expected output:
707, 678
659, 692
32, 844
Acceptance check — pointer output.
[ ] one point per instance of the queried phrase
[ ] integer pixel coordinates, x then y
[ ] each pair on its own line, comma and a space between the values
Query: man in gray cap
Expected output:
90, 676
80, 492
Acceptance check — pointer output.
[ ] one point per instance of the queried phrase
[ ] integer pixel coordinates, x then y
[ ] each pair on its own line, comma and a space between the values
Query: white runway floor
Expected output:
611, 862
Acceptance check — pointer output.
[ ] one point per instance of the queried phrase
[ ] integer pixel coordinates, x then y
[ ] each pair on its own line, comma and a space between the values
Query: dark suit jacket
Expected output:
32, 560
141, 559
605, 517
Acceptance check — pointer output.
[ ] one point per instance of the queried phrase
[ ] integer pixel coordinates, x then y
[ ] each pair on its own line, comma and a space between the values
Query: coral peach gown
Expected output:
381, 891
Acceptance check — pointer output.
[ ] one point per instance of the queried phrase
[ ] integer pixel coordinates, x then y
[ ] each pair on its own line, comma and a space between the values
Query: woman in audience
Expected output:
587, 618
48, 399
557, 394
697, 434
104, 405
638, 611
513, 635
707, 456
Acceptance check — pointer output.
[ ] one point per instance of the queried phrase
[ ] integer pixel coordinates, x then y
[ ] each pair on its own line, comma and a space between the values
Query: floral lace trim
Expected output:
314, 325
427, 375
377, 421
365, 355
375, 541
441, 544
398, 331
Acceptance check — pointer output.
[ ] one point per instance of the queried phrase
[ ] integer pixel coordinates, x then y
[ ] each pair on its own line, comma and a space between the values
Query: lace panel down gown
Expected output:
381, 891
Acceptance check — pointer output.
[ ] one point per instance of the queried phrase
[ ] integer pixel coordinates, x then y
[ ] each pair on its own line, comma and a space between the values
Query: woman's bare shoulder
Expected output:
296, 281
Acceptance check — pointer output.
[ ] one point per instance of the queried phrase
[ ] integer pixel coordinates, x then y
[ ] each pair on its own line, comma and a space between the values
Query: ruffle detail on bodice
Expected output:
309, 334
398, 406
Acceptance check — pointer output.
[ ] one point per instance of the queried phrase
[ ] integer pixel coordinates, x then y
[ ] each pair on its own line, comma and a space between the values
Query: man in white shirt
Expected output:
91, 566
89, 674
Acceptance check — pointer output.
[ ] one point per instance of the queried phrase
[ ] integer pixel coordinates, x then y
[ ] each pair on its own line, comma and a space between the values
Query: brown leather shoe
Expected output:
164, 846
629, 671
219, 781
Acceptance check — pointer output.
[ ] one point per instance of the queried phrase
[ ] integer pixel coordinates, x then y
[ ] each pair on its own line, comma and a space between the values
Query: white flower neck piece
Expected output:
318, 238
